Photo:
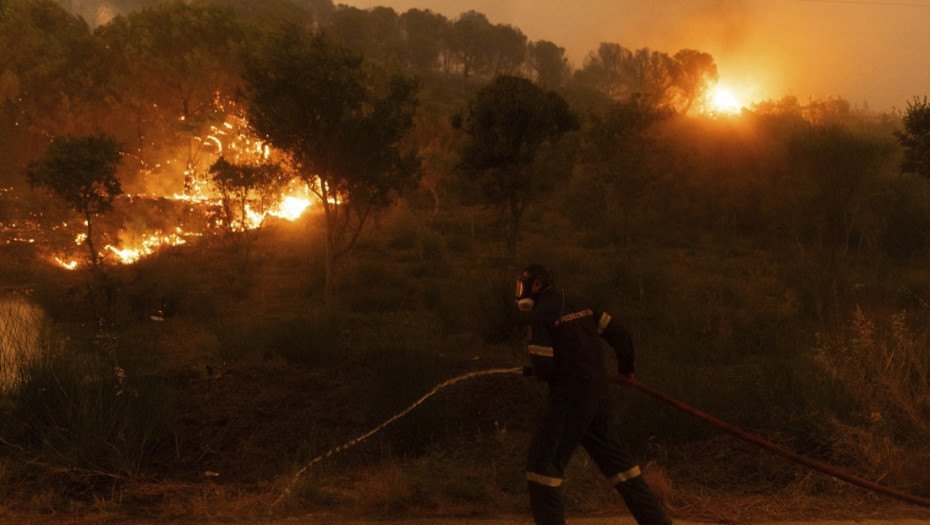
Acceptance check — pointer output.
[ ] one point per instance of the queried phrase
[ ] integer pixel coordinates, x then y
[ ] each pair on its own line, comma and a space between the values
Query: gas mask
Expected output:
524, 294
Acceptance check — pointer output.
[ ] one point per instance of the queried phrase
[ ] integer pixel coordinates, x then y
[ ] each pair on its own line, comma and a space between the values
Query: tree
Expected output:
311, 98
548, 63
506, 49
376, 33
618, 168
836, 169
695, 74
605, 69
470, 39
661, 79
514, 124
836, 164
915, 138
82, 171
247, 191
425, 33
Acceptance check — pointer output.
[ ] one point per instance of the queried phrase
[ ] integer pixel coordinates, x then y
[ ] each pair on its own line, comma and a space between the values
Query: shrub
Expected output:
884, 372
77, 411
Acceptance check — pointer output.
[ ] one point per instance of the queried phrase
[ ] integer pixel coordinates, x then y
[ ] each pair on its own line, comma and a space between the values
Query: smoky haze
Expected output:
868, 52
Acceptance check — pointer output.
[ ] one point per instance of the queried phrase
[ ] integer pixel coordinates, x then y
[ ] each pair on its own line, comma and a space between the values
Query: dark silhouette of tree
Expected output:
619, 166
506, 49
651, 74
425, 32
311, 98
313, 13
655, 77
915, 137
470, 40
515, 128
377, 33
605, 69
82, 171
548, 63
387, 42
695, 75
247, 190
836, 170
350, 26
839, 164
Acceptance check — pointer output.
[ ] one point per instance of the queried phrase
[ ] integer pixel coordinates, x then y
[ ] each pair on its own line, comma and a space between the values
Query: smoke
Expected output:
99, 12
750, 61
105, 13
720, 28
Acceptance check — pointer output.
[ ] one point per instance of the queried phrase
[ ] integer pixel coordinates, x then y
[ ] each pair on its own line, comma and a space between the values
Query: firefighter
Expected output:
564, 338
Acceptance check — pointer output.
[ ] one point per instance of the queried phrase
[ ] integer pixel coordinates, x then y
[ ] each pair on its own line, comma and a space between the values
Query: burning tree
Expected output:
82, 171
247, 192
312, 99
677, 81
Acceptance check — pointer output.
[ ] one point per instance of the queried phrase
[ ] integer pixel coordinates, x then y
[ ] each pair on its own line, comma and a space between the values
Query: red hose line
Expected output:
773, 448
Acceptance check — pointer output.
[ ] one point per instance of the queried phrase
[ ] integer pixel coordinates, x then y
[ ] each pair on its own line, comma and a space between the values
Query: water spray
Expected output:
363, 437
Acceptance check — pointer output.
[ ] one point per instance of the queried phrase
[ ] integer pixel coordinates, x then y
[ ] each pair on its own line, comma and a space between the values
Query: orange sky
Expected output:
874, 52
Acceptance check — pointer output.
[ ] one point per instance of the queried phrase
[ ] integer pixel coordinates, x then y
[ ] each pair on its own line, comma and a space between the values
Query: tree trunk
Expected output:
90, 240
330, 248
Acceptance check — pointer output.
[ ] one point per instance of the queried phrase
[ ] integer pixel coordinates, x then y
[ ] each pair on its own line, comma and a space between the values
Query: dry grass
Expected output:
883, 368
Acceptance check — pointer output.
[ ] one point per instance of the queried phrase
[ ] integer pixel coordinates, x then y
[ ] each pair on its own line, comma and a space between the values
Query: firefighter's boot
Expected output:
546, 503
643, 505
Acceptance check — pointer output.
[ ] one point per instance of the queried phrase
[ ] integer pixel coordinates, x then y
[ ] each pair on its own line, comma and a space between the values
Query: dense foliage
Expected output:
515, 129
915, 138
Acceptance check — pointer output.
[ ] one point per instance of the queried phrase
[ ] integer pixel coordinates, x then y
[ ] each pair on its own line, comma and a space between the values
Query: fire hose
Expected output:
773, 448
437, 388
665, 398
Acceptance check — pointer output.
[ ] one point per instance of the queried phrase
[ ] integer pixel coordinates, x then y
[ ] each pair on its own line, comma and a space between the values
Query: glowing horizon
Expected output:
801, 49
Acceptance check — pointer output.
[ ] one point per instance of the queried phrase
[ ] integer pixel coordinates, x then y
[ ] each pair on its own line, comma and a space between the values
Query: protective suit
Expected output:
564, 343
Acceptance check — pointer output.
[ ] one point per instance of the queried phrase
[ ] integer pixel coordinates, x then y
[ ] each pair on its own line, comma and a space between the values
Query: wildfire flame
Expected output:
67, 265
233, 140
291, 208
725, 102
147, 246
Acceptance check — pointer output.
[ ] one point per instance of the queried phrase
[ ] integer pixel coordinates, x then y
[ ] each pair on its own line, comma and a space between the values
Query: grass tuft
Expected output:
78, 415
883, 369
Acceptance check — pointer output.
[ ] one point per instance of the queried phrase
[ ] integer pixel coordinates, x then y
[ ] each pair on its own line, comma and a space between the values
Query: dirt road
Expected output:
505, 520
525, 520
